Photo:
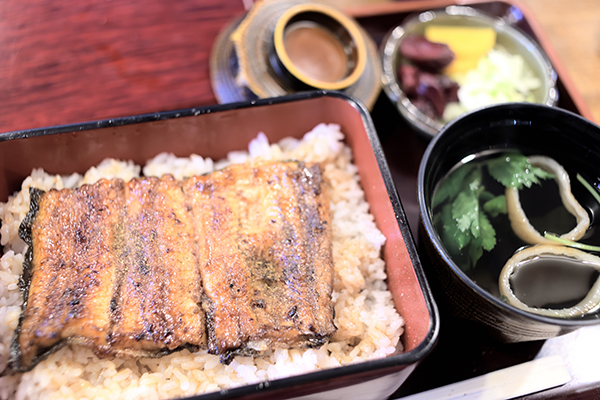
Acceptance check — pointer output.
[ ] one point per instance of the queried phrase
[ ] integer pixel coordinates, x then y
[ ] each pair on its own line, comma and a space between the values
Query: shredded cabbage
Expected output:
499, 77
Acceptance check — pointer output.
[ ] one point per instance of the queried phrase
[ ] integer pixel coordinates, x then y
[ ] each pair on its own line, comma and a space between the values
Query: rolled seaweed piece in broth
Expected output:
570, 277
519, 220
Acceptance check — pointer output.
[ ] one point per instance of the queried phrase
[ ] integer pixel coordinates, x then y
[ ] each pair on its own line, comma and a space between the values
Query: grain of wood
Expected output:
574, 30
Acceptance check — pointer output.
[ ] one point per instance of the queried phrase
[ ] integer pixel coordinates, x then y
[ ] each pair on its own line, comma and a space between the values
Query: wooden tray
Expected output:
70, 61
465, 350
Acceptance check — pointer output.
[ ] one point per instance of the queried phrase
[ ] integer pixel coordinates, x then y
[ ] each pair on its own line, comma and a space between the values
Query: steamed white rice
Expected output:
368, 325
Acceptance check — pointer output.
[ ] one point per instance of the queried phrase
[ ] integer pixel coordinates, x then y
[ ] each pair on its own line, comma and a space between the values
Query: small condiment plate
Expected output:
244, 71
315, 47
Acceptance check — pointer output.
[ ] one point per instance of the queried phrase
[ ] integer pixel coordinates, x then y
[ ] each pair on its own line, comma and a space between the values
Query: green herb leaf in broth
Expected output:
495, 206
485, 241
451, 186
485, 196
454, 238
589, 187
571, 243
514, 170
475, 251
488, 233
465, 208
465, 211
464, 223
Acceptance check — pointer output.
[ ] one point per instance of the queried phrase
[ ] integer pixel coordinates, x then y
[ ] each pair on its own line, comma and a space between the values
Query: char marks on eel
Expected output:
235, 261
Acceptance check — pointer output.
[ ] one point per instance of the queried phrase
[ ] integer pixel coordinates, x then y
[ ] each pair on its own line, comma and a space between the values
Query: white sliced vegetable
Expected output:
499, 77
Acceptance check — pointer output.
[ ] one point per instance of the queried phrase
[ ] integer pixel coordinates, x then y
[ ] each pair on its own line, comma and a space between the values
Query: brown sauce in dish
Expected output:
316, 52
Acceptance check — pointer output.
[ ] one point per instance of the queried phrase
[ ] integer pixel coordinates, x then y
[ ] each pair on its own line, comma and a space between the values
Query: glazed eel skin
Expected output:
237, 261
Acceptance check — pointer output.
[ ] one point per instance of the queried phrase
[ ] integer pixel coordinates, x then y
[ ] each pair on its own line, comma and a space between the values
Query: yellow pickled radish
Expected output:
462, 64
469, 43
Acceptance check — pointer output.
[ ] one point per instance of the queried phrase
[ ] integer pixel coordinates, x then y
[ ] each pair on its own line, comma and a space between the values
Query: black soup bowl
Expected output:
472, 290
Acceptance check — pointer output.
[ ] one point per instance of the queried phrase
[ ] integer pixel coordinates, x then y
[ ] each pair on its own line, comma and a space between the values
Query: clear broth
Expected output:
543, 206
552, 281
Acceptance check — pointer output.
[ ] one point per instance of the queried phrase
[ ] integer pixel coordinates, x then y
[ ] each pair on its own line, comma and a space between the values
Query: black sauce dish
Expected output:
532, 129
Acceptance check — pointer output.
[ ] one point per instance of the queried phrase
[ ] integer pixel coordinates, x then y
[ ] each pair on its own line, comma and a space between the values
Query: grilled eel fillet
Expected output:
236, 261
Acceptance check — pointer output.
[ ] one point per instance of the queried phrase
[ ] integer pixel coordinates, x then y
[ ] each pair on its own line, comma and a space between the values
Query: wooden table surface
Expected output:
70, 61
573, 28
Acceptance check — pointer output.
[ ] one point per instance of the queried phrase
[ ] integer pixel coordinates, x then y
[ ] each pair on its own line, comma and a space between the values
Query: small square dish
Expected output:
235, 132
